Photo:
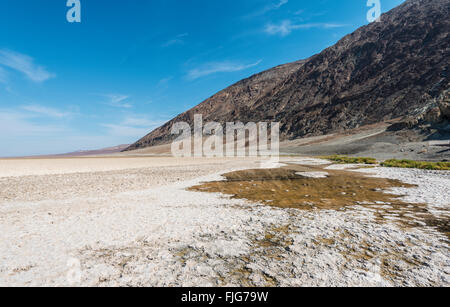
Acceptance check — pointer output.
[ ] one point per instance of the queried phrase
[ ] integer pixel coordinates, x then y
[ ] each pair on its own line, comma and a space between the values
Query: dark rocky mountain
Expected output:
382, 71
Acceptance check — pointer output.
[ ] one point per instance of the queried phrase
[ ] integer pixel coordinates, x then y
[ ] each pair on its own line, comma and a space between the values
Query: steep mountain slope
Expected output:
384, 70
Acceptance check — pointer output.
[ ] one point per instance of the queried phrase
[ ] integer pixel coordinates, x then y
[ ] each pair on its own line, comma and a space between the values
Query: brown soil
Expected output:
284, 188
342, 190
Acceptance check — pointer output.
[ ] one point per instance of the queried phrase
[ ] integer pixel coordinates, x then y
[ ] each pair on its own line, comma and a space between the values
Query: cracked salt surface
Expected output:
168, 236
313, 174
433, 187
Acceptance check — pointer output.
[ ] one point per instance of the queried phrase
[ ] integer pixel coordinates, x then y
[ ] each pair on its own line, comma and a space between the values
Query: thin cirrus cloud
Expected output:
45, 111
15, 124
270, 7
132, 126
218, 67
164, 83
118, 101
33, 121
286, 27
25, 65
3, 75
178, 40
138, 121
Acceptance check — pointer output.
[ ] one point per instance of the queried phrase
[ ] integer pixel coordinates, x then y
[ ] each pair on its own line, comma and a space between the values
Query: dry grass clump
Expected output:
351, 160
439, 166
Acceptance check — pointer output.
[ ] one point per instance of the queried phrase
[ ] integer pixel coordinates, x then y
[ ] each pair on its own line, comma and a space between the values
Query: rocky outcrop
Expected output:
444, 104
432, 116
382, 71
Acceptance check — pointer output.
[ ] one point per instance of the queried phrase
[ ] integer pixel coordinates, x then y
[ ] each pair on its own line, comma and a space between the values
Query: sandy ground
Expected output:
131, 222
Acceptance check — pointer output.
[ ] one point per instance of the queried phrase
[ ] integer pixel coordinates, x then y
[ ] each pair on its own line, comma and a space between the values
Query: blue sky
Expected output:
129, 66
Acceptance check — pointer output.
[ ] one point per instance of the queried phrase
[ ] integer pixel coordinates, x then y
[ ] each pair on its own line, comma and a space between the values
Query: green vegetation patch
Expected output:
439, 166
350, 160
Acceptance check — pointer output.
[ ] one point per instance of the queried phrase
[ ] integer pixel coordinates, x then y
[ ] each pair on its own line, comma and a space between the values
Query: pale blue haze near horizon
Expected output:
129, 66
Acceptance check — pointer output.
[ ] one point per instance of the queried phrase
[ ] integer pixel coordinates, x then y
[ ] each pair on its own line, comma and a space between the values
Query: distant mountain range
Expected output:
85, 153
385, 70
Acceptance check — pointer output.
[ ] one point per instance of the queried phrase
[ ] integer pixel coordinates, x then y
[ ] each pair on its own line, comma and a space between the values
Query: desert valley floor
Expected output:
136, 221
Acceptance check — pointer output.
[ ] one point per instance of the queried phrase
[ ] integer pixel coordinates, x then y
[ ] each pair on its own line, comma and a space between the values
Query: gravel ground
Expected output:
143, 228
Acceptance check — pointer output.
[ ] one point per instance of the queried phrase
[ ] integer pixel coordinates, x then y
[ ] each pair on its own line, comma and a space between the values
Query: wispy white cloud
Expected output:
127, 131
164, 83
276, 6
24, 64
26, 133
46, 111
218, 67
140, 121
3, 75
286, 27
267, 8
15, 124
118, 101
43, 131
178, 40
135, 126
